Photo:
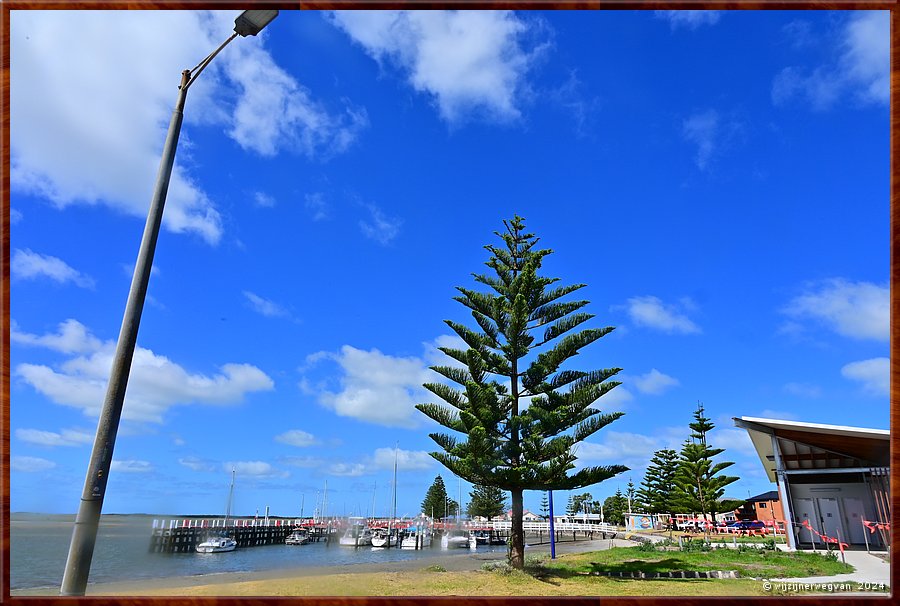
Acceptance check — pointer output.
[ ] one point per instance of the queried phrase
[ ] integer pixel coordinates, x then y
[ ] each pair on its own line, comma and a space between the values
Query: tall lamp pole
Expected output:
84, 535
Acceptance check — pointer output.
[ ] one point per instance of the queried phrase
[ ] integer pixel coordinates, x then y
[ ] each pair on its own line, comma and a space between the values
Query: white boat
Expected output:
300, 536
216, 545
382, 538
356, 536
417, 537
221, 542
455, 538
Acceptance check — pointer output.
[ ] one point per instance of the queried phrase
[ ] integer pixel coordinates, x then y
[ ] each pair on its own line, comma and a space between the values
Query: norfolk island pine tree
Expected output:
508, 445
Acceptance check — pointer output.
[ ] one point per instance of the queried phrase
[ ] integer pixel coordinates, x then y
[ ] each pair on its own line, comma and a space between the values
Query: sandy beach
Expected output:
206, 584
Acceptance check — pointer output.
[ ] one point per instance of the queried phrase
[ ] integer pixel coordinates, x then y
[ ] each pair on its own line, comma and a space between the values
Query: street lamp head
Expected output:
250, 23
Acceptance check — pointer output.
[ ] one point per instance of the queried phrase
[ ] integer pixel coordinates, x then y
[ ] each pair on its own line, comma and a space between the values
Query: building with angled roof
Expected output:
831, 480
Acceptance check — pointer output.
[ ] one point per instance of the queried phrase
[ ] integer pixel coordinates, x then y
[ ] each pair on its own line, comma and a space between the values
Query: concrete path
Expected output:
870, 570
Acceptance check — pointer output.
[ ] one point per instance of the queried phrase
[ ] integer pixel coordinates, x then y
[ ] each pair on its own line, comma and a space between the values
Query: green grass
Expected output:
750, 562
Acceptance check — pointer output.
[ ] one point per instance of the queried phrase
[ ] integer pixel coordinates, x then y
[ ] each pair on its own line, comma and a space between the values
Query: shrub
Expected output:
648, 546
435, 568
498, 566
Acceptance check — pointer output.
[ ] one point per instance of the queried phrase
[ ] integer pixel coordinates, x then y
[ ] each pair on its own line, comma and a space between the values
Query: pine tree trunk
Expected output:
517, 533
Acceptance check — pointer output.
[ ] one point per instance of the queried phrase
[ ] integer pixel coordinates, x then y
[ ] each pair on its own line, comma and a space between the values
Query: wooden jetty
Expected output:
182, 535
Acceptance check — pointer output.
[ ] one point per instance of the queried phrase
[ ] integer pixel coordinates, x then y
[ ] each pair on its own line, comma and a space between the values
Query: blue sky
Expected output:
719, 180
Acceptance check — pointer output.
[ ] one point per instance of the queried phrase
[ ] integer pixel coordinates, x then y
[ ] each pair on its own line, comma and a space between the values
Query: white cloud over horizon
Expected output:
66, 437
254, 469
30, 464
469, 63
155, 383
297, 437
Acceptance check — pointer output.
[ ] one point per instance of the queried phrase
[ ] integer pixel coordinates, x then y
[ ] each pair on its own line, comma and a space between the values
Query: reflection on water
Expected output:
39, 544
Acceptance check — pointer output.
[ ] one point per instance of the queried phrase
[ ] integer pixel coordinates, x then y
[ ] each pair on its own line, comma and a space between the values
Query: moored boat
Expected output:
216, 545
356, 536
417, 537
300, 536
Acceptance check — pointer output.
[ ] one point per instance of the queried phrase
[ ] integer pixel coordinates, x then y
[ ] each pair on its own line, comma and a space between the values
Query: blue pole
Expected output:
552, 533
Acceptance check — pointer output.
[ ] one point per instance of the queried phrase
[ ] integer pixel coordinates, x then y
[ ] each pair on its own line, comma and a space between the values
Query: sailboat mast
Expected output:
230, 496
394, 504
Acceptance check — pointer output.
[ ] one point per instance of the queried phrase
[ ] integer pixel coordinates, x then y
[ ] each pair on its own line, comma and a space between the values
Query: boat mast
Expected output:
230, 495
394, 505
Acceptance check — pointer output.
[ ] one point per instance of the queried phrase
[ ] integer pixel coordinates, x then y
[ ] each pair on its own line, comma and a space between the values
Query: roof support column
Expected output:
784, 495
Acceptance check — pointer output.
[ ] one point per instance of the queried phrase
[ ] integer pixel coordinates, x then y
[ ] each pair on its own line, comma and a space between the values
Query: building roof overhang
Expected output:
812, 447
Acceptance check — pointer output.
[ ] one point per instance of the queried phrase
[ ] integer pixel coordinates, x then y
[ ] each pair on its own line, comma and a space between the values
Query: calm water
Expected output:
39, 545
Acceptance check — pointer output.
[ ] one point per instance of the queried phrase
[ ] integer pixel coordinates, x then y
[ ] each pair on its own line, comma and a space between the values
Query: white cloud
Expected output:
254, 469
263, 200
702, 129
471, 63
860, 68
615, 400
874, 375
30, 464
860, 310
316, 206
197, 464
379, 227
689, 19
347, 470
15, 216
155, 383
630, 449
92, 94
265, 306
72, 337
130, 466
732, 439
377, 388
654, 382
67, 437
651, 312
407, 460
435, 357
26, 265
297, 437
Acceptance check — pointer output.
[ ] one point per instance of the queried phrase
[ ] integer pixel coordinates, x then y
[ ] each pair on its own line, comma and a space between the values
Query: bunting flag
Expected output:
825, 539
873, 526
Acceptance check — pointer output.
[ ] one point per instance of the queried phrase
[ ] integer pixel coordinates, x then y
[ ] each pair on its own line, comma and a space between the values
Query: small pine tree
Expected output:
545, 506
630, 495
699, 487
487, 501
657, 488
436, 502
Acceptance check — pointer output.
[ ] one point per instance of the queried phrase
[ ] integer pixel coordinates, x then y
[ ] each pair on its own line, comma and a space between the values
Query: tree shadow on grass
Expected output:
652, 566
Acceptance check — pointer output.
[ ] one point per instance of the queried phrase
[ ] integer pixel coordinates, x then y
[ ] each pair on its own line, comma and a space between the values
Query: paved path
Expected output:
870, 569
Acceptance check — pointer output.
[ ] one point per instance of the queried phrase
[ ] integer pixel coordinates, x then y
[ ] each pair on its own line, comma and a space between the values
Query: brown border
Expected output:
894, 239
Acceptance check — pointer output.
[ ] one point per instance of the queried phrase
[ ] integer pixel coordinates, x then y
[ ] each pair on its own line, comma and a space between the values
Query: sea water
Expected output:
39, 544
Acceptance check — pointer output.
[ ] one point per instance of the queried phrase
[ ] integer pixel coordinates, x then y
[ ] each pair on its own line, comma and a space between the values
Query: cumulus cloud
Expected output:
874, 375
28, 265
407, 460
263, 200
155, 383
651, 312
376, 387
702, 129
67, 437
72, 337
130, 466
92, 94
860, 67
379, 227
297, 437
624, 448
860, 310
470, 63
689, 19
254, 469
349, 470
654, 382
30, 464
265, 307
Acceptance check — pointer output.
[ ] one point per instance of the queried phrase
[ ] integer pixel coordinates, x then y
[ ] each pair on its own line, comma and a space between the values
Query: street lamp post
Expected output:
84, 535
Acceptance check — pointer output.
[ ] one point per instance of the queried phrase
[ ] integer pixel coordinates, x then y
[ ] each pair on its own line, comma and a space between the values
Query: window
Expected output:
762, 505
